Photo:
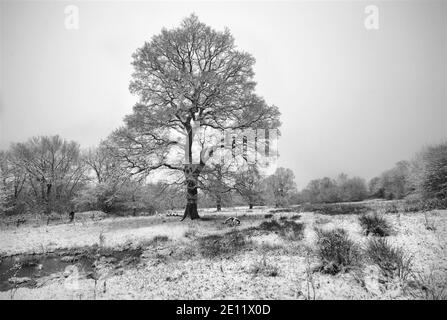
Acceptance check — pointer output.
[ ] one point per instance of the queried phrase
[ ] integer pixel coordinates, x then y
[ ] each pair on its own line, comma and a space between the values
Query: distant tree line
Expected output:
327, 190
49, 174
424, 177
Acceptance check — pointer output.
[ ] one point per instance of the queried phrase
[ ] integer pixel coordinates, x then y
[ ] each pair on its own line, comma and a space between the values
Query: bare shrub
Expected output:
375, 224
336, 251
392, 261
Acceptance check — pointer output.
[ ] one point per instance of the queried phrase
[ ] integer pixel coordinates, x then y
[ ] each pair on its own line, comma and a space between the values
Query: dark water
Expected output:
36, 266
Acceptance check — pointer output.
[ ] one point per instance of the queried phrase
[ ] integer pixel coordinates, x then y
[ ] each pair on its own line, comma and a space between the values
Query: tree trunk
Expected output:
219, 203
134, 209
192, 172
48, 198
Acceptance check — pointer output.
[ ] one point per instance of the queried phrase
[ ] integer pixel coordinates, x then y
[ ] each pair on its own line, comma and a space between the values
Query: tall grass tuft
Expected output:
431, 286
392, 261
375, 224
336, 251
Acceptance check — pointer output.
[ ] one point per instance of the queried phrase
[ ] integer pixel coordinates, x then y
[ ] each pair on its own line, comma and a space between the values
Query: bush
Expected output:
287, 229
392, 261
271, 226
222, 245
336, 251
375, 225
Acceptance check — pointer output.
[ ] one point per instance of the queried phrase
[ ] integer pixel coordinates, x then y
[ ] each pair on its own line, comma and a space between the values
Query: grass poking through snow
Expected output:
392, 261
336, 251
375, 224
430, 286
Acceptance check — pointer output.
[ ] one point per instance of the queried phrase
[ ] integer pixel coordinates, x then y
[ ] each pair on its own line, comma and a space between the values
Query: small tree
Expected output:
3, 194
14, 181
249, 185
375, 188
280, 186
107, 178
395, 183
322, 191
329, 191
353, 189
55, 172
434, 176
215, 181
104, 167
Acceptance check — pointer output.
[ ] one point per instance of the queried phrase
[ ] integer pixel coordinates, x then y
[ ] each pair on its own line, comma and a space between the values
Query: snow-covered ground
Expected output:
172, 271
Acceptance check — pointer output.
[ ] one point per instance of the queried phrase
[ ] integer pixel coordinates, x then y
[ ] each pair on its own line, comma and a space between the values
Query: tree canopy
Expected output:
187, 79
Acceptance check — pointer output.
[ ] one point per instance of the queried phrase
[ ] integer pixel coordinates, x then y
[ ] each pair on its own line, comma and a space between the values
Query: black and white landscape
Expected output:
223, 150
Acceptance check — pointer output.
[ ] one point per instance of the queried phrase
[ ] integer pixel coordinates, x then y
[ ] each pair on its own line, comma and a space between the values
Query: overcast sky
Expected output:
352, 100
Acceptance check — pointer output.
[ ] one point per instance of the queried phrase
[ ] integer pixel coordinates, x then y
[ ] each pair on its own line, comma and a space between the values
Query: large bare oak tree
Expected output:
188, 77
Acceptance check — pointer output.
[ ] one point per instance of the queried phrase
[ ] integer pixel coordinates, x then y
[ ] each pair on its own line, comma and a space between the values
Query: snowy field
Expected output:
179, 260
